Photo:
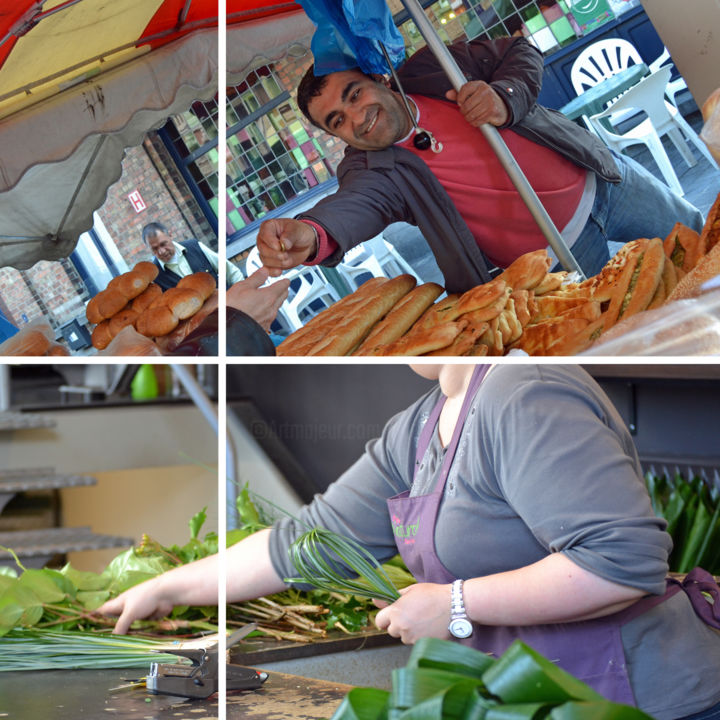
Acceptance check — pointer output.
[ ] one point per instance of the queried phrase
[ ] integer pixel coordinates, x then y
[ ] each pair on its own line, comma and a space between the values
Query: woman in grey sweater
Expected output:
515, 495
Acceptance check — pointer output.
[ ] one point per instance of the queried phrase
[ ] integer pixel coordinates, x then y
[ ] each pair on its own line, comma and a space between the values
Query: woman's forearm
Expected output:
553, 589
250, 573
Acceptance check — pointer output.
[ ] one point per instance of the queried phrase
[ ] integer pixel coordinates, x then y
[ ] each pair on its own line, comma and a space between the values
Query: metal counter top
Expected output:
80, 694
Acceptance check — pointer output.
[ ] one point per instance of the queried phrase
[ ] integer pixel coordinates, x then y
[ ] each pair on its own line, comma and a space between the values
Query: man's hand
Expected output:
260, 303
140, 602
285, 243
479, 104
423, 610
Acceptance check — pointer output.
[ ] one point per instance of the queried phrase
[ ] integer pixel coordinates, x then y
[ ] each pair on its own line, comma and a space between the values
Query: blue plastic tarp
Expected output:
349, 33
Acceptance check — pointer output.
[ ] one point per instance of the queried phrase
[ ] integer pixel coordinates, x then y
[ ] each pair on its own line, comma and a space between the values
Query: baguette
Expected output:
710, 234
463, 344
551, 281
683, 246
401, 318
481, 296
303, 339
423, 342
690, 286
356, 326
437, 313
527, 271
645, 279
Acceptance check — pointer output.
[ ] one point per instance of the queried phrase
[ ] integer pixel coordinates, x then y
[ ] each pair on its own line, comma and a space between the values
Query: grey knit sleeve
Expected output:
355, 504
565, 462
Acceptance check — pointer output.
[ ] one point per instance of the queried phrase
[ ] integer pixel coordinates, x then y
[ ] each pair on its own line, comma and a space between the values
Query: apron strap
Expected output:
694, 584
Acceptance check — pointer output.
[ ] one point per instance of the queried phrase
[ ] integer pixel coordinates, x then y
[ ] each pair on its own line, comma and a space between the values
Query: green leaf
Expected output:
196, 523
85, 580
457, 702
697, 529
449, 656
411, 686
129, 569
363, 704
11, 613
42, 584
522, 675
92, 599
249, 515
26, 599
7, 571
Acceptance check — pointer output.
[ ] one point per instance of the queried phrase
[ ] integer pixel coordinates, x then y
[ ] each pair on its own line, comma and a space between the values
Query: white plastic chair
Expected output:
673, 86
307, 285
662, 119
376, 256
602, 60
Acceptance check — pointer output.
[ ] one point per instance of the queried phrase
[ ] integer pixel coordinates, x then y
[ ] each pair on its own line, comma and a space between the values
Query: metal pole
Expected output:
4, 387
448, 64
202, 401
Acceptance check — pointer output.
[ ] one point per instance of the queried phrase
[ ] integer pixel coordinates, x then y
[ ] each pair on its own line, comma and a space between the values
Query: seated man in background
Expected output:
176, 260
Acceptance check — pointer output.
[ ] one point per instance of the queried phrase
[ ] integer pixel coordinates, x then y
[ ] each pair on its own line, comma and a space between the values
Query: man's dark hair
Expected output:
312, 86
152, 229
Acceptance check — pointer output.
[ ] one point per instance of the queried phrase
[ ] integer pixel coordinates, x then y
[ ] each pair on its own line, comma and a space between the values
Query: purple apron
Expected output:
591, 650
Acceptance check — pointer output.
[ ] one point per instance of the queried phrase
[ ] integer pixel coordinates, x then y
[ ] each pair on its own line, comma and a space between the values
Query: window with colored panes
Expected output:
192, 138
273, 155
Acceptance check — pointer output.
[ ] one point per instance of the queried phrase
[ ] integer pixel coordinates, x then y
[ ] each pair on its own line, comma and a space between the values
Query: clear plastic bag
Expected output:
681, 328
36, 339
130, 342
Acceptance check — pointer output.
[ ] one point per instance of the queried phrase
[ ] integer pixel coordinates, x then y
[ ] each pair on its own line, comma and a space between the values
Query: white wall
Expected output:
691, 32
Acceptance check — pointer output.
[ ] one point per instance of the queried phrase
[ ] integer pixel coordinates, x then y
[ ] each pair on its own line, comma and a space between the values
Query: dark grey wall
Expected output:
314, 420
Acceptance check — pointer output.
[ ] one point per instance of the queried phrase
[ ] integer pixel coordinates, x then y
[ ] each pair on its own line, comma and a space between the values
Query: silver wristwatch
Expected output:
460, 625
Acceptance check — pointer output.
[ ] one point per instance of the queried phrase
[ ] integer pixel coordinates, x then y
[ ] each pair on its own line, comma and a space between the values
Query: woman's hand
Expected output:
144, 601
423, 610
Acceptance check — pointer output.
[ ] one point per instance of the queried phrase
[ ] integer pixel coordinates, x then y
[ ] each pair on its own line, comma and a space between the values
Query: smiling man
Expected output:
460, 196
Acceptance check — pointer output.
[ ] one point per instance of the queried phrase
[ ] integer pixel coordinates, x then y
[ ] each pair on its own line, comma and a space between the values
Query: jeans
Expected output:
712, 713
639, 206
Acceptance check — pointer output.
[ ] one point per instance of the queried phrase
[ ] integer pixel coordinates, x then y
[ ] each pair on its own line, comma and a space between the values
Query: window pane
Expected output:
273, 159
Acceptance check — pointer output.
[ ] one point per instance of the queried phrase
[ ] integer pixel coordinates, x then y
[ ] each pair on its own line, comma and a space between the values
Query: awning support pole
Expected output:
530, 198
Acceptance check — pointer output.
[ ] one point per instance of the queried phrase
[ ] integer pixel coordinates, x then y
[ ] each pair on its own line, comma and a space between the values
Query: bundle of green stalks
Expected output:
323, 558
27, 649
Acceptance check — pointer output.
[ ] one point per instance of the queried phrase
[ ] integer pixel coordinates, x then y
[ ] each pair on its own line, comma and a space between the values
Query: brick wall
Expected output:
168, 200
54, 290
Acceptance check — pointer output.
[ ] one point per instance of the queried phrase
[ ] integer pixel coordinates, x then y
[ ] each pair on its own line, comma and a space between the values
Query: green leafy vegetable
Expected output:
520, 685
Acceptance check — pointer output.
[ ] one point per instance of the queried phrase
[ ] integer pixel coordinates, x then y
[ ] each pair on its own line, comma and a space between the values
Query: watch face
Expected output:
460, 628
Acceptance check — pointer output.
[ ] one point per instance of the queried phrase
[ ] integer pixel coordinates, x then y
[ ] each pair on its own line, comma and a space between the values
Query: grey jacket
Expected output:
392, 185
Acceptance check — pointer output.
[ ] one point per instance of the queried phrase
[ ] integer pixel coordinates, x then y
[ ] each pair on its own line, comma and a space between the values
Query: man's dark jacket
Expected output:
380, 187
194, 255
